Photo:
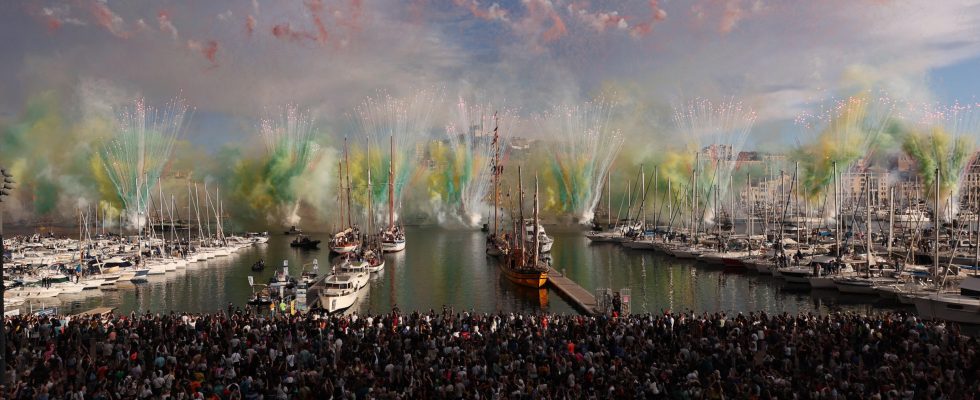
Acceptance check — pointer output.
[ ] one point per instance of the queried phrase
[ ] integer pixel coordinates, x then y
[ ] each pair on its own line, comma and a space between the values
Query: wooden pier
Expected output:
580, 298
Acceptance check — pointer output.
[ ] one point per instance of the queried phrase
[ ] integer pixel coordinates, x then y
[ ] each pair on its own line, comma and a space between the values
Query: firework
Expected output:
135, 157
718, 131
944, 139
463, 177
290, 144
585, 149
846, 133
399, 123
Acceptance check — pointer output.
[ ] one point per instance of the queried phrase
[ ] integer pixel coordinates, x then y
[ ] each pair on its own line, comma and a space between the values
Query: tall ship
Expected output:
371, 252
496, 244
522, 264
393, 236
348, 239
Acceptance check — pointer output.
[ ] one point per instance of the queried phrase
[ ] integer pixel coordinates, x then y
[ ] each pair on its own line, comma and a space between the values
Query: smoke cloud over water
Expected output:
234, 61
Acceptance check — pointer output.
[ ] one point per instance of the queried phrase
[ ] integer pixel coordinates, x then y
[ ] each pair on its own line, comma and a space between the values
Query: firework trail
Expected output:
135, 158
846, 133
290, 144
585, 149
944, 139
718, 131
385, 121
463, 177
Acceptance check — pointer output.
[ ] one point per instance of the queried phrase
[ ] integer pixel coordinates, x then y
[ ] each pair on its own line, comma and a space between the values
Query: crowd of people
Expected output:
238, 354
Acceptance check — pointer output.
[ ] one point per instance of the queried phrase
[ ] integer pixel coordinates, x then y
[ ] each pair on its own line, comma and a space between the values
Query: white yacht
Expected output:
545, 242
337, 292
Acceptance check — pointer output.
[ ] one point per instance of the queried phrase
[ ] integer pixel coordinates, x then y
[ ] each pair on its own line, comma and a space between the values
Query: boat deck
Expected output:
581, 298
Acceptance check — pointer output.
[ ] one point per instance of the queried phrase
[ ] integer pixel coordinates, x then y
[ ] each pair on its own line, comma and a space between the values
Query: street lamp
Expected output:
8, 184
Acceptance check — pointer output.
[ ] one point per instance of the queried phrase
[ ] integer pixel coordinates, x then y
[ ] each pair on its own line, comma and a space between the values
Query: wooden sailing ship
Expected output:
520, 264
348, 239
496, 244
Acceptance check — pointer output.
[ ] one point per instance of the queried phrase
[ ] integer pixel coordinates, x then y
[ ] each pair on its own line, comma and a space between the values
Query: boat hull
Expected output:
822, 282
795, 275
856, 288
375, 268
343, 249
950, 308
527, 279
392, 247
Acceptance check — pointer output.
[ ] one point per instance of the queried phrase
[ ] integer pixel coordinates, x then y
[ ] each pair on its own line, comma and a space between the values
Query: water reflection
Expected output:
450, 268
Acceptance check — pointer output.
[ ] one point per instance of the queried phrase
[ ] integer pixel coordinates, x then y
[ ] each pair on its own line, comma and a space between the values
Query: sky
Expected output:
72, 68
234, 60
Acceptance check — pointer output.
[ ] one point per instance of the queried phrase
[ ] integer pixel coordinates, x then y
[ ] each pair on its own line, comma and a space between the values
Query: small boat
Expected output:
375, 263
345, 241
258, 238
293, 230
393, 240
258, 266
304, 242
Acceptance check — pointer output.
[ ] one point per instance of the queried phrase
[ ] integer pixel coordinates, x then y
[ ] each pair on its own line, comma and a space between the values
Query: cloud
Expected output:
108, 19
163, 20
775, 56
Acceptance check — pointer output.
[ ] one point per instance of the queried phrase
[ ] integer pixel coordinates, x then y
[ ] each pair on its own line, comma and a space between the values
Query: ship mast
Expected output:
537, 244
340, 188
391, 182
522, 231
496, 172
370, 209
347, 162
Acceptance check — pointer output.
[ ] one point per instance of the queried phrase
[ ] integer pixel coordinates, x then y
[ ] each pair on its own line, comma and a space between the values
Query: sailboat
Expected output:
518, 265
496, 245
392, 237
371, 251
963, 307
348, 239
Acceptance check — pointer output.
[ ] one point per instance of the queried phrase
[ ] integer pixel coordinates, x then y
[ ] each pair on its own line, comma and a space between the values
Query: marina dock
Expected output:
580, 298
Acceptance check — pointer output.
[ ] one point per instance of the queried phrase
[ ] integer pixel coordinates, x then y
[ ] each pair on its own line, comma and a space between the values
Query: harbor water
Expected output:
443, 267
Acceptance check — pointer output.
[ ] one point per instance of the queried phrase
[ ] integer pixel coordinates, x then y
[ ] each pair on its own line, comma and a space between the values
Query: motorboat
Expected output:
304, 242
338, 292
545, 242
